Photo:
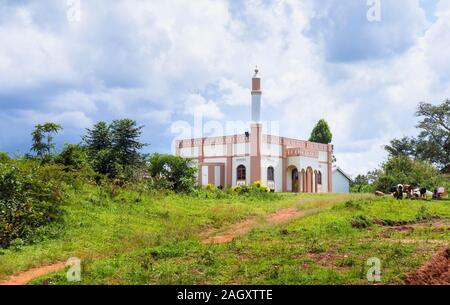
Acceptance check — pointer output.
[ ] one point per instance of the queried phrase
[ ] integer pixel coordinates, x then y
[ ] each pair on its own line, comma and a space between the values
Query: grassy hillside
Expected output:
129, 236
102, 221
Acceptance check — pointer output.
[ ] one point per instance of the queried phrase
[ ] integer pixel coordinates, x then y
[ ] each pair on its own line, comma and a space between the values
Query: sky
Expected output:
165, 63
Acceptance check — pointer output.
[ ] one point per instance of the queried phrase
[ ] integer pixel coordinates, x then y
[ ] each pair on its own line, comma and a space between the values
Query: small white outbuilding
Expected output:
341, 181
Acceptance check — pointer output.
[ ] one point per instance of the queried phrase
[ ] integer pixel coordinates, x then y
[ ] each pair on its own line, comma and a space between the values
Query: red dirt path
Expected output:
25, 277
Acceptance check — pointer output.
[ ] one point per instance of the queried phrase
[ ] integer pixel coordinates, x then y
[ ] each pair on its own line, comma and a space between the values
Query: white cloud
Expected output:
196, 105
233, 94
73, 100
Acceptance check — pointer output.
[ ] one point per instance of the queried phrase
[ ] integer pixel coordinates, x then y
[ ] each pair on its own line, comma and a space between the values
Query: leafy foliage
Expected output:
361, 184
433, 141
404, 170
405, 146
255, 188
73, 156
4, 157
43, 138
27, 201
171, 172
321, 133
398, 170
113, 149
125, 143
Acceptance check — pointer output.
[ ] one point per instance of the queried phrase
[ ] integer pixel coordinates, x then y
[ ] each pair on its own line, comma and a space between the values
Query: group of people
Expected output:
412, 193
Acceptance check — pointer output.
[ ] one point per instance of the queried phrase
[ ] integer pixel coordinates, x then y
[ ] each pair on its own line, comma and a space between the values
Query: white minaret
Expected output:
256, 97
255, 130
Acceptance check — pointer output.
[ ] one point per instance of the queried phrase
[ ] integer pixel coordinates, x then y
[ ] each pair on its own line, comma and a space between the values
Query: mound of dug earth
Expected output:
435, 272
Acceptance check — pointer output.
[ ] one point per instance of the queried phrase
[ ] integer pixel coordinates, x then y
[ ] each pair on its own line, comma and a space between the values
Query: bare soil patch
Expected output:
434, 272
25, 277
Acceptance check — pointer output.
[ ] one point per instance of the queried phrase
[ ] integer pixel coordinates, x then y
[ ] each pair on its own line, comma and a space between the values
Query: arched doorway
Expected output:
295, 181
292, 179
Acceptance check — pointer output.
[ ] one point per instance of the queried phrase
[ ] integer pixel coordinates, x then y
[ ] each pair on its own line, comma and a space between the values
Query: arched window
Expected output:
319, 177
270, 174
241, 173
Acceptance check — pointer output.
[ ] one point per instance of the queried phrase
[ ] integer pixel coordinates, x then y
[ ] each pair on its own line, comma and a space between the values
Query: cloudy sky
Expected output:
160, 62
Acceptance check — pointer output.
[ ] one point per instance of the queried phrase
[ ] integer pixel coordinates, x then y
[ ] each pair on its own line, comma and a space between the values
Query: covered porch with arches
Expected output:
304, 180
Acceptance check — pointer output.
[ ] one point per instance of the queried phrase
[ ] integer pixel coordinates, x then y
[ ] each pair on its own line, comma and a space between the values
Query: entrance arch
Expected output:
292, 179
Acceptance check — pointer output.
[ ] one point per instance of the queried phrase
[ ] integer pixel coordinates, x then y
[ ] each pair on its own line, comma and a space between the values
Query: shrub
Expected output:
210, 187
4, 157
173, 172
258, 186
404, 170
73, 156
27, 202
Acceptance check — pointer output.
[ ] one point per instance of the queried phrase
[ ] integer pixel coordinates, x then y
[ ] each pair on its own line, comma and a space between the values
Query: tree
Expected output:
125, 136
43, 138
321, 133
359, 184
114, 148
434, 139
402, 147
433, 142
98, 146
98, 138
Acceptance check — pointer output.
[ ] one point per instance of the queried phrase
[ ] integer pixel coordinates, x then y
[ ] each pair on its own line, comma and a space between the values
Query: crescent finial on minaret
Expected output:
256, 71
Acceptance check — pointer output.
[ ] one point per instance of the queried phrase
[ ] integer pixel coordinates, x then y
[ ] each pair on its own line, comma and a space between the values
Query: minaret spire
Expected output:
256, 97
256, 129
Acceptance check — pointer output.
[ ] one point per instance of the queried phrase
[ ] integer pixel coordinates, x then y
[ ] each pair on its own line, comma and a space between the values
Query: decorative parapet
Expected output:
235, 139
293, 152
242, 138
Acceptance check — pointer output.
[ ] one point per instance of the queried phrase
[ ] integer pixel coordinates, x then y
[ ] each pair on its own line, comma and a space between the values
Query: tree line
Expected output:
421, 161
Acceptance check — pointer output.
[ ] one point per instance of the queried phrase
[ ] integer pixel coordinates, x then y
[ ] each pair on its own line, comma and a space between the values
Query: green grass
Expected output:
100, 222
139, 238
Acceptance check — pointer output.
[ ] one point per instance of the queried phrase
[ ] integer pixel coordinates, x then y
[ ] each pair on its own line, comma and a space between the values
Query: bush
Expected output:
256, 188
73, 156
403, 170
4, 157
27, 201
172, 172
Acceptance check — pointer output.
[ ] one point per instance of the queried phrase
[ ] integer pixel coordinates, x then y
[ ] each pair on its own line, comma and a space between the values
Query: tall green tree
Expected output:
405, 146
98, 146
115, 147
125, 134
321, 133
433, 142
43, 135
98, 138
